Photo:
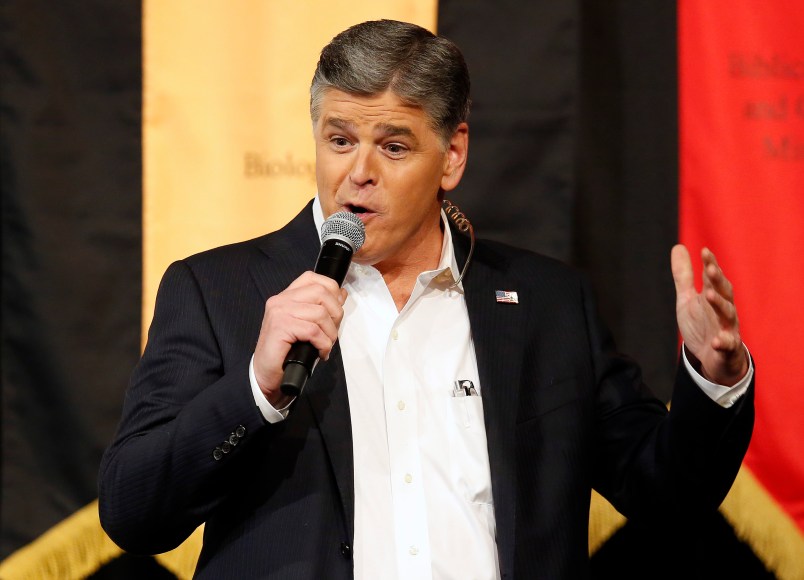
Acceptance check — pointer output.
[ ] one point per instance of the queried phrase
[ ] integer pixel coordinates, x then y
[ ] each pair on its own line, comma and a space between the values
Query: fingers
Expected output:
307, 322
311, 288
727, 341
311, 280
724, 309
719, 294
309, 310
718, 290
713, 276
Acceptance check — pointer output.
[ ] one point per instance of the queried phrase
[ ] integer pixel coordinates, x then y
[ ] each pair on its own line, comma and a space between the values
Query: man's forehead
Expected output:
338, 107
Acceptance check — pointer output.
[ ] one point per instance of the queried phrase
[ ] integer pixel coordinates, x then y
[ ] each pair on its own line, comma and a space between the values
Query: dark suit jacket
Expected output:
563, 413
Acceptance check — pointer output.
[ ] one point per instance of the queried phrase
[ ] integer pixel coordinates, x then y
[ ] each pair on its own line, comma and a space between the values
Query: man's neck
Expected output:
400, 276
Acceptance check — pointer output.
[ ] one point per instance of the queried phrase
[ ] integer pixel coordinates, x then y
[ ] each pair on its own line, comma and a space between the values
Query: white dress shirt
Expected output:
423, 506
423, 503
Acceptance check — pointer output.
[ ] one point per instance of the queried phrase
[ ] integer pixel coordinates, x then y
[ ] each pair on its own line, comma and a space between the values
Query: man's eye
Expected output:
396, 149
339, 141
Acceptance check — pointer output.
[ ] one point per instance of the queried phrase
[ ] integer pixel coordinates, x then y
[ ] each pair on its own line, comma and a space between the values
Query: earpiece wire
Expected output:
463, 224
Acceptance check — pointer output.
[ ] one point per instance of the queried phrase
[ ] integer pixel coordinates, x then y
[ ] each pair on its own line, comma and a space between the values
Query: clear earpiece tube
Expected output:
462, 223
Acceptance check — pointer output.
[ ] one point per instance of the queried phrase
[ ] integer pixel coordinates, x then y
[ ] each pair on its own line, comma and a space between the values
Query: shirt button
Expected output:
413, 550
401, 405
394, 334
408, 478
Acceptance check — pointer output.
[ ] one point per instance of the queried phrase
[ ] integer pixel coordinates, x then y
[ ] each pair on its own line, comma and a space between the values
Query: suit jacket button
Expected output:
225, 447
240, 431
346, 550
217, 455
233, 439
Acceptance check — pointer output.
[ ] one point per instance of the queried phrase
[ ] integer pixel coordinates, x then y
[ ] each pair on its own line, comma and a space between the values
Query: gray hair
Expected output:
422, 69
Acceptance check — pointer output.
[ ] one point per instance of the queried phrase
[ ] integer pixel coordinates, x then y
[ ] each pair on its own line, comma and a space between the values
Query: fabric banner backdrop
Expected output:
742, 195
140, 133
226, 121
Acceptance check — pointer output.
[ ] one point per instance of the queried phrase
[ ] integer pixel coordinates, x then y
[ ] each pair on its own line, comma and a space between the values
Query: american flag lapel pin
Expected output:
506, 297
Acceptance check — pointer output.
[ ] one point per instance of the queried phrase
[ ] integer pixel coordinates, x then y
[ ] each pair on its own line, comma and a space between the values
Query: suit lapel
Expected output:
327, 395
284, 256
498, 335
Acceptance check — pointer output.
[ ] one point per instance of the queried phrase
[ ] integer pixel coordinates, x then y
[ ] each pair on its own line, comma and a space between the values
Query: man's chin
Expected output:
365, 256
363, 260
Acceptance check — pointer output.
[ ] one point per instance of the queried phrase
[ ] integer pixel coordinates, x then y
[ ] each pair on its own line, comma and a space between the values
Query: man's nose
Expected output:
364, 167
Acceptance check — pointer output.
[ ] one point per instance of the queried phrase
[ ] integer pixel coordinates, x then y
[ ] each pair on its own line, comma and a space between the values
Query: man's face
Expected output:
379, 158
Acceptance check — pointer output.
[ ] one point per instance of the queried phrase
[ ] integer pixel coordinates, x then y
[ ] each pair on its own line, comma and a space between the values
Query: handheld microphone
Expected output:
342, 234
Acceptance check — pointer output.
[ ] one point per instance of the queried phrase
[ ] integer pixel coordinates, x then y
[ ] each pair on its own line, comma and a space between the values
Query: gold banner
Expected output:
227, 143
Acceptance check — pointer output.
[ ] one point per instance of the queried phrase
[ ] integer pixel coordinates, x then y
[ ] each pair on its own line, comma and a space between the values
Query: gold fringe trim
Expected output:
759, 521
182, 561
604, 520
78, 547
750, 510
72, 549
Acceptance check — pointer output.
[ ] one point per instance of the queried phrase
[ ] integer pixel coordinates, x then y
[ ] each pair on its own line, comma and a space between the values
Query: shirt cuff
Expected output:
271, 414
722, 395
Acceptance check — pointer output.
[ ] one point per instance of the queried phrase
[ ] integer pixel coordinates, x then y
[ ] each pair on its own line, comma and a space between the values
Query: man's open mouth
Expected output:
357, 209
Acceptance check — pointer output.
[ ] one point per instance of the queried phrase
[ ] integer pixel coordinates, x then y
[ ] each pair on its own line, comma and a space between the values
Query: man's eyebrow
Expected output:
339, 123
390, 130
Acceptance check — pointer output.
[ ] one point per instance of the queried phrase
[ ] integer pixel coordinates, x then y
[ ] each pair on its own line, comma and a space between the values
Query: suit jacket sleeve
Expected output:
649, 462
159, 479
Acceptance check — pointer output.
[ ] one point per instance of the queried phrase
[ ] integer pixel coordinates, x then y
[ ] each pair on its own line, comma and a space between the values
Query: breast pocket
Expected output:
469, 457
543, 398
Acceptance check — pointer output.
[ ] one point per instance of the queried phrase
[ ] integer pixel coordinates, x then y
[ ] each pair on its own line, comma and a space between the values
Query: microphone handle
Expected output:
333, 262
299, 364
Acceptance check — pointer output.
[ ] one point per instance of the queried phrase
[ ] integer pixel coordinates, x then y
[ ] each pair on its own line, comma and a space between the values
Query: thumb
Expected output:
681, 266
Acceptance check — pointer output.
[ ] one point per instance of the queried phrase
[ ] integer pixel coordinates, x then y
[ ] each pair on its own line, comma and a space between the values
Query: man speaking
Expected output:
460, 413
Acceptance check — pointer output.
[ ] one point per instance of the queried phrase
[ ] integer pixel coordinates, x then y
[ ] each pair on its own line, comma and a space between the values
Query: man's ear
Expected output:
455, 162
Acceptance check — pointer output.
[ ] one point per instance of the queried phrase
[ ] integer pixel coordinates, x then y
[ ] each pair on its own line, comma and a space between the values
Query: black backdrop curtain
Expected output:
71, 182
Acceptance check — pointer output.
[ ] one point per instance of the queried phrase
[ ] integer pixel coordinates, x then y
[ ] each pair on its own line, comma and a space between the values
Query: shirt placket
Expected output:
401, 396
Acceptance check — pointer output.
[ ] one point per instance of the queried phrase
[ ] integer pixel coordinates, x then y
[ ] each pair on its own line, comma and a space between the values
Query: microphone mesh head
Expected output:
346, 226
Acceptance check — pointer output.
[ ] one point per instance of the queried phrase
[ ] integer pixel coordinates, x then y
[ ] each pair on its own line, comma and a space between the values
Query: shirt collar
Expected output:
447, 270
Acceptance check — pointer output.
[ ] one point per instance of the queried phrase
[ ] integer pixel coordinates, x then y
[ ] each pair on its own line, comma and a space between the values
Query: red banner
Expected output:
741, 66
